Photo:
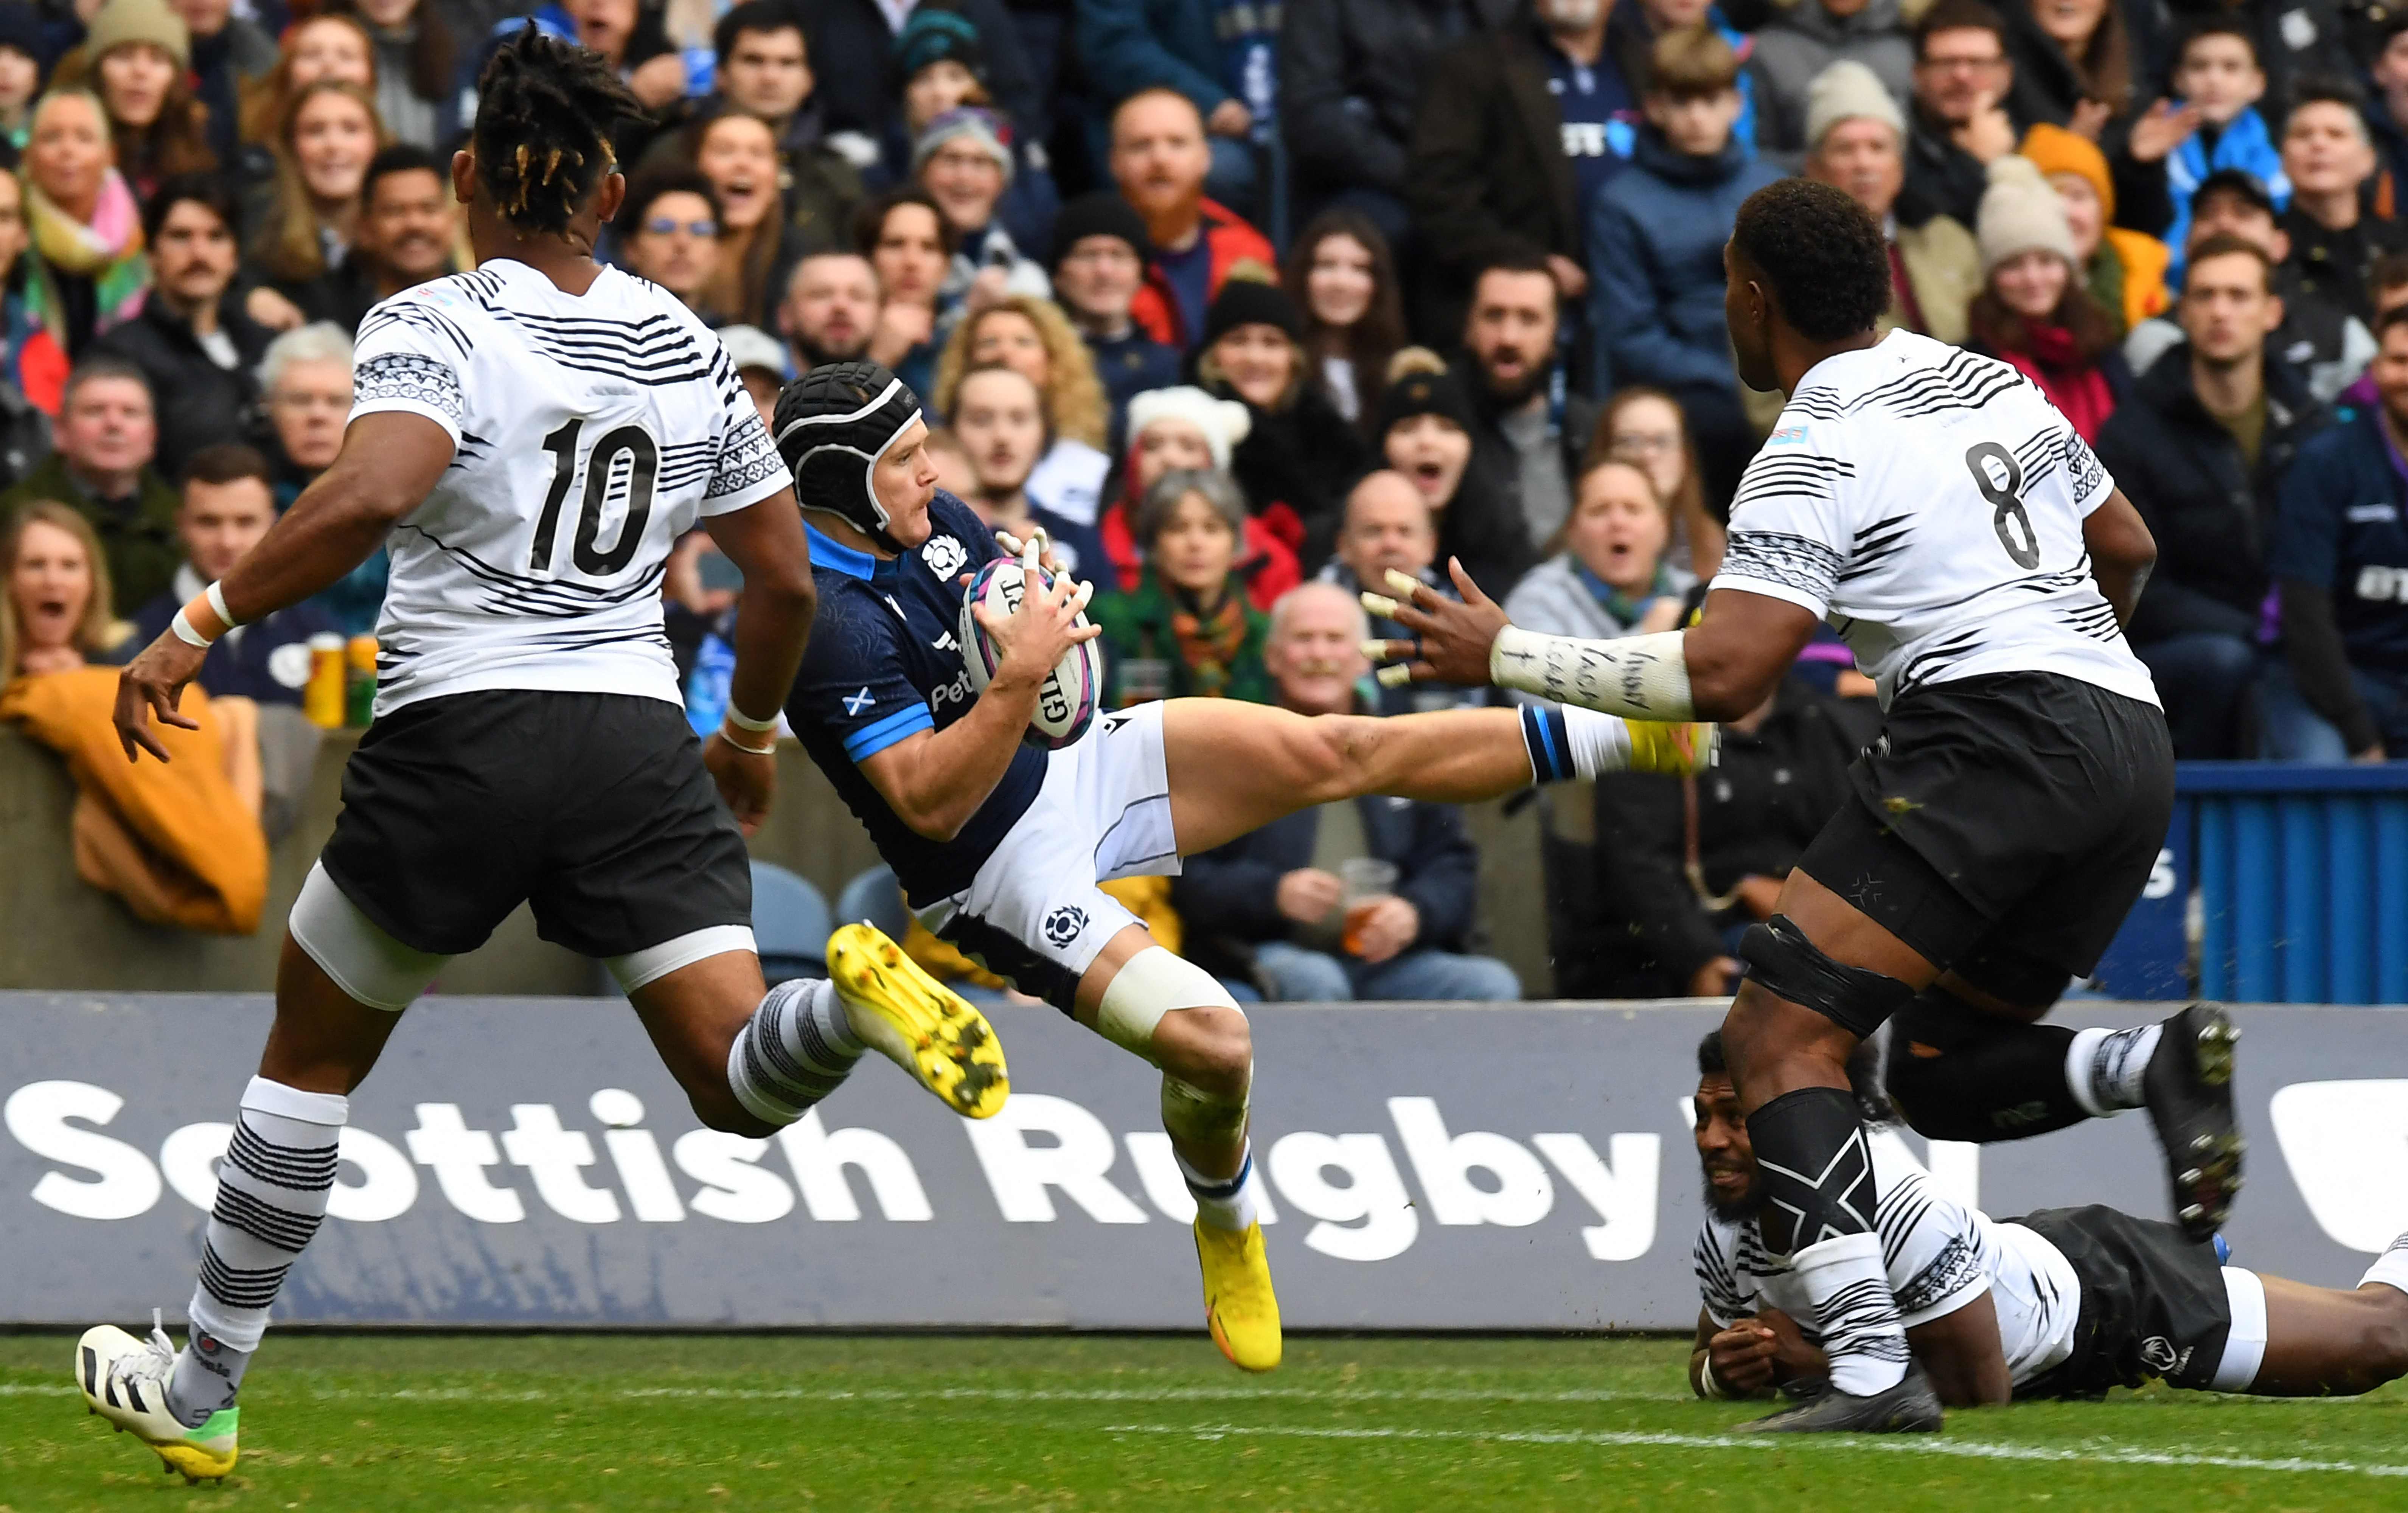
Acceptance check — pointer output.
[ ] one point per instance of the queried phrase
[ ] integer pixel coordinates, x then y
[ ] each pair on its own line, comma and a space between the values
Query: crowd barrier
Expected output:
2279, 883
527, 1162
63, 933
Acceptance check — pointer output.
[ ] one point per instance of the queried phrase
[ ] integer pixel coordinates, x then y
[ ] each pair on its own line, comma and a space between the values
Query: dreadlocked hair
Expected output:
546, 113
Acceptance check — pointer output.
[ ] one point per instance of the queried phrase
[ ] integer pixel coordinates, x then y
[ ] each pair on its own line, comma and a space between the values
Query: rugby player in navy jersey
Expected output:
999, 843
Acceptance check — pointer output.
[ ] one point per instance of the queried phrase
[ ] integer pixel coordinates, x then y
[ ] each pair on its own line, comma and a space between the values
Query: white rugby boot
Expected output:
125, 1380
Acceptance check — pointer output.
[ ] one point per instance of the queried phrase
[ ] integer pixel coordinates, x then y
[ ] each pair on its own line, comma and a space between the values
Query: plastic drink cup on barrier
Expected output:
359, 695
321, 697
1367, 881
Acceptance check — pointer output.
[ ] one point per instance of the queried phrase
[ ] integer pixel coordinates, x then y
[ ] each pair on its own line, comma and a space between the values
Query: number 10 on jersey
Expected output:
585, 548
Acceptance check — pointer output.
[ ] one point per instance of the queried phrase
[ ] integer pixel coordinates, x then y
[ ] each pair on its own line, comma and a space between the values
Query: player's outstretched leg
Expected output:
1960, 1068
272, 1187
2321, 1341
1234, 767
1815, 987
1177, 1016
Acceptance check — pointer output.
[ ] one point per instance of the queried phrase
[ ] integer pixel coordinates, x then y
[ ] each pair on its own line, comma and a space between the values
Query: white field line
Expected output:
2095, 1454
944, 1395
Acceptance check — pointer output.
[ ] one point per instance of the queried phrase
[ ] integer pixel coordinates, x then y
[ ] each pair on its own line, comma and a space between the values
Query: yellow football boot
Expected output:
1239, 1303
917, 1022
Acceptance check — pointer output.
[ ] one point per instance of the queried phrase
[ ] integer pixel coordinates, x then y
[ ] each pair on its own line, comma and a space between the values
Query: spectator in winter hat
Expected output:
1098, 265
2033, 310
2124, 270
1855, 138
1185, 427
963, 159
135, 60
1299, 454
941, 63
1427, 423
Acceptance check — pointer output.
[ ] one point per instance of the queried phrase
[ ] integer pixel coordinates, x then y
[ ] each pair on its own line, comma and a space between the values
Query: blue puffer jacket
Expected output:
1655, 264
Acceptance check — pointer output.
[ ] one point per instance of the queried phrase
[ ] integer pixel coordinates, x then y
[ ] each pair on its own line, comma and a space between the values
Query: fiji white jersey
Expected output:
1928, 502
591, 433
1939, 1256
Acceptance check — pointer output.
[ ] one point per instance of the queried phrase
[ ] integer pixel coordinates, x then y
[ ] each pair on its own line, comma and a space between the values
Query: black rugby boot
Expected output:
2188, 1087
1911, 1408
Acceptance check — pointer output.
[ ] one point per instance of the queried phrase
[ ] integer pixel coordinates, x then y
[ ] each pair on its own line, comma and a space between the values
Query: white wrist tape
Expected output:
1710, 1383
741, 720
1637, 676
182, 626
216, 595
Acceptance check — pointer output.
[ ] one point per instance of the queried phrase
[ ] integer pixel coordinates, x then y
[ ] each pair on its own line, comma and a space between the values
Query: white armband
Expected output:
1637, 676
743, 721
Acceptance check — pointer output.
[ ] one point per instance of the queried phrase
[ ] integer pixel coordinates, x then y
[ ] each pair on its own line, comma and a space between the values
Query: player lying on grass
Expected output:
1940, 513
530, 744
999, 843
2060, 1303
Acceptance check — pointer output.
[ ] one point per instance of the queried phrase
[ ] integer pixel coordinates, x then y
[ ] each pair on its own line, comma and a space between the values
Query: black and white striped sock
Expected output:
272, 1191
794, 1051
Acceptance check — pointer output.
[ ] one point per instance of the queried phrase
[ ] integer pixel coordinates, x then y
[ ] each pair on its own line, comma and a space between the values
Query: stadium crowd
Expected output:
1238, 299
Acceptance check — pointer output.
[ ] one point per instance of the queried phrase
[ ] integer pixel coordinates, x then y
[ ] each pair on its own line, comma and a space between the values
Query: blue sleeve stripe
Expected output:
873, 738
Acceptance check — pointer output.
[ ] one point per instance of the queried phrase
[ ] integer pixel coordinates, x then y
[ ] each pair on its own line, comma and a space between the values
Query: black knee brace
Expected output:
1956, 1073
1779, 955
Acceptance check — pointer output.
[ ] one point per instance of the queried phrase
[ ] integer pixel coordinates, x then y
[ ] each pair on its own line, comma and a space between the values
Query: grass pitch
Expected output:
1048, 1422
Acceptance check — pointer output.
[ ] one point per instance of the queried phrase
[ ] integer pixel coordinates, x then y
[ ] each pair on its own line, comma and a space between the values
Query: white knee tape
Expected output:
654, 962
1149, 985
365, 961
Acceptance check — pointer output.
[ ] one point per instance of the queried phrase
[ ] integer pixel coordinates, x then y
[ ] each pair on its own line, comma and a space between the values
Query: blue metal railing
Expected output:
2302, 874
2301, 878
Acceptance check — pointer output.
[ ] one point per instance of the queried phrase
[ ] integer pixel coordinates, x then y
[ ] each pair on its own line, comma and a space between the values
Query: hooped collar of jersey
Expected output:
828, 552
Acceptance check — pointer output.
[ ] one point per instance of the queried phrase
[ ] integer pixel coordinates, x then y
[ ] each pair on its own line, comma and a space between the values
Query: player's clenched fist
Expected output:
1741, 1358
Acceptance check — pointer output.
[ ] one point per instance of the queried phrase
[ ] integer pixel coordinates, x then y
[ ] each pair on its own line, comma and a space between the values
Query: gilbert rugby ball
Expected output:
1065, 705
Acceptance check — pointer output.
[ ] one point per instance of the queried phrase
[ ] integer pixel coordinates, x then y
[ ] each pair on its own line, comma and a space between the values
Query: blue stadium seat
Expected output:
790, 923
874, 896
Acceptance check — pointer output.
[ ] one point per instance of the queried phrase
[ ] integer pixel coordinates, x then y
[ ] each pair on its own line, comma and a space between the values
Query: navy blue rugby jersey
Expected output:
884, 665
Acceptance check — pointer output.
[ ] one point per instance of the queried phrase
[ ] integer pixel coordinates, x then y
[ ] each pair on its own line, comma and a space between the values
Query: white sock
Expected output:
1225, 1203
2105, 1069
272, 1191
2391, 1268
1600, 742
1850, 1291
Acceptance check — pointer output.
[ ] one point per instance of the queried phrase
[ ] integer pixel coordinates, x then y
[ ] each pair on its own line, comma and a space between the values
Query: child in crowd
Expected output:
2217, 70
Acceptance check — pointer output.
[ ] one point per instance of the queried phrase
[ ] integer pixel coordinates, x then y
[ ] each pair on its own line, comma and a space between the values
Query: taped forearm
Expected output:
1636, 677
